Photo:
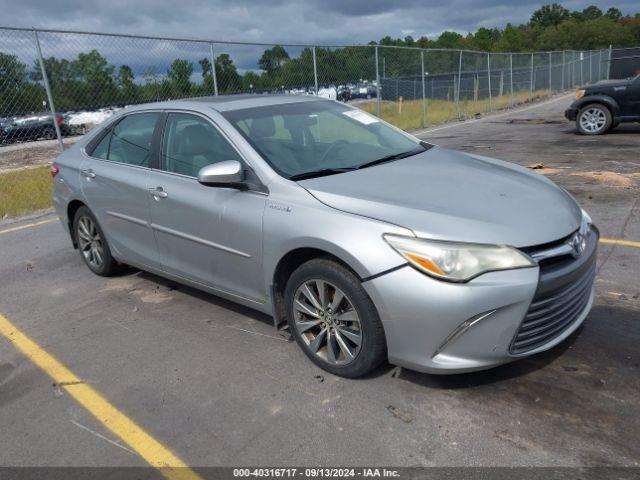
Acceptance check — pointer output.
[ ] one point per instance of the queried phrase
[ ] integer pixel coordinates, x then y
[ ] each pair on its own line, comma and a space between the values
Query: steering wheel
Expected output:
333, 146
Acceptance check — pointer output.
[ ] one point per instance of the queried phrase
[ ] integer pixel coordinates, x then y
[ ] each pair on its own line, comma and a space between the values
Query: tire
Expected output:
49, 133
350, 320
92, 244
593, 119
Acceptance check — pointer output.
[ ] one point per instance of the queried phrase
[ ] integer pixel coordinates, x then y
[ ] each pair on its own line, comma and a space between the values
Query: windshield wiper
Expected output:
395, 156
323, 172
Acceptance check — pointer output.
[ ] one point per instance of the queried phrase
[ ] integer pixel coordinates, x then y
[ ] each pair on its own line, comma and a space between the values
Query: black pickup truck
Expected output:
603, 105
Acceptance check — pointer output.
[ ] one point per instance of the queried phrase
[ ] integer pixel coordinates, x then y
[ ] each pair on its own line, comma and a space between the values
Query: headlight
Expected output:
457, 262
579, 94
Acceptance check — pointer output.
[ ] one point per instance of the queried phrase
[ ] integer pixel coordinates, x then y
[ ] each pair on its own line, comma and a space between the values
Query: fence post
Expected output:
47, 88
511, 79
609, 63
590, 67
599, 64
213, 70
550, 89
458, 88
531, 78
563, 65
315, 69
489, 80
377, 85
424, 99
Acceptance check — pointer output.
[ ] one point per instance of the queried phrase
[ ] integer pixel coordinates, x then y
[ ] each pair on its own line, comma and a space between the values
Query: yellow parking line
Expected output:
134, 436
617, 241
28, 225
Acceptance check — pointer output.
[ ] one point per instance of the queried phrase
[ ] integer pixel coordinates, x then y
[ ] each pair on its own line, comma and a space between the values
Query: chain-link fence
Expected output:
59, 84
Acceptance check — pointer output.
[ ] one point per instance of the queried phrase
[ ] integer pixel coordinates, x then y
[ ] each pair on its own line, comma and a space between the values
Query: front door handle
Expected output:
158, 193
88, 173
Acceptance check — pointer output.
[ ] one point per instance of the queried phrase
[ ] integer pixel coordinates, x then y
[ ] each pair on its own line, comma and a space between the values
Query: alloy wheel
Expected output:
593, 120
327, 322
90, 242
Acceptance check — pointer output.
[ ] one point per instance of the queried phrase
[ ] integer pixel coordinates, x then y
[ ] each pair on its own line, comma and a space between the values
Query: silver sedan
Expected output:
369, 244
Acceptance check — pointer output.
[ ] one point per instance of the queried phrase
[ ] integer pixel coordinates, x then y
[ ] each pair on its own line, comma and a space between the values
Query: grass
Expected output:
441, 111
24, 191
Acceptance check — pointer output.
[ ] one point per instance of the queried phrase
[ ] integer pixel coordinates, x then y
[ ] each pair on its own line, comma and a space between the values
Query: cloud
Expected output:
296, 21
327, 22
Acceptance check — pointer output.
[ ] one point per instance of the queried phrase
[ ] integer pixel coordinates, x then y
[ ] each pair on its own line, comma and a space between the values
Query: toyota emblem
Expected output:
578, 243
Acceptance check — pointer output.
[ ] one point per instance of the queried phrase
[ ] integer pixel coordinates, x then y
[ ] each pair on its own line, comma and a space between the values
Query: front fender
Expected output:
606, 100
304, 222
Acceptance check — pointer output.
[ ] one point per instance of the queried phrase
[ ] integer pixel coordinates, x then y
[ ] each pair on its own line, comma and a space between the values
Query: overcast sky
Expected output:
280, 21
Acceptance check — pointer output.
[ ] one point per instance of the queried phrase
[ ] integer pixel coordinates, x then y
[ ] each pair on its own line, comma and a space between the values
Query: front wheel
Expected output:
594, 119
93, 245
333, 319
49, 133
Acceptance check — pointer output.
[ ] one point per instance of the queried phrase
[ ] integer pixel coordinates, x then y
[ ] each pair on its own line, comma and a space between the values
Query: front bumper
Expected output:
571, 113
440, 327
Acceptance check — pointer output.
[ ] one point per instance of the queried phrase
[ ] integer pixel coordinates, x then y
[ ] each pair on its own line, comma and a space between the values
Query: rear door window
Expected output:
129, 142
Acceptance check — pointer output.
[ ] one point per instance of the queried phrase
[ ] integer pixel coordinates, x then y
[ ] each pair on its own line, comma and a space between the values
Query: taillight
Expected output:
59, 120
54, 169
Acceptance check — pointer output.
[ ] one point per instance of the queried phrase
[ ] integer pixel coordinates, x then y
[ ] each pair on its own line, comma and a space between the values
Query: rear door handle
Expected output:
158, 193
88, 173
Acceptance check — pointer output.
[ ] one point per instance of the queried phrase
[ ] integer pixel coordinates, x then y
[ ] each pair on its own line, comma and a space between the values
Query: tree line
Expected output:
90, 81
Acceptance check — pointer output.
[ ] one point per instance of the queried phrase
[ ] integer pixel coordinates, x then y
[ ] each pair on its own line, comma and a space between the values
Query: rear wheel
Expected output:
333, 319
92, 244
49, 133
593, 119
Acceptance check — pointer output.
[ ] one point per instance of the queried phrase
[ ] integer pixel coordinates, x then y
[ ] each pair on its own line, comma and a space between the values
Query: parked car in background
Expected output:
363, 90
32, 127
603, 105
344, 94
369, 243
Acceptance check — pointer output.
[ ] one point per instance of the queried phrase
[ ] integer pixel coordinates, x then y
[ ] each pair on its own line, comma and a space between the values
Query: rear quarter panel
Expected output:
66, 185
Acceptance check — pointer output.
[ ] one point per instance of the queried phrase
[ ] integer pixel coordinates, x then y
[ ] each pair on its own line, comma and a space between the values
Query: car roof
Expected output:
223, 103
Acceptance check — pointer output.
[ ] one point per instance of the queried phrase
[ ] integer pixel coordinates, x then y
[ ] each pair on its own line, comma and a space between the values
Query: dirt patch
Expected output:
548, 171
134, 286
30, 155
27, 158
532, 121
542, 169
612, 179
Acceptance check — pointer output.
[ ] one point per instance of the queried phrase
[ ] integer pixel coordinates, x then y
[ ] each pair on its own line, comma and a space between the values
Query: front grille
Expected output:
563, 293
549, 315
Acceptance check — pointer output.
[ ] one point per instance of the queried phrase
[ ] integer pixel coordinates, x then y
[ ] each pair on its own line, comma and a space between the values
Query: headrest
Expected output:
196, 139
262, 127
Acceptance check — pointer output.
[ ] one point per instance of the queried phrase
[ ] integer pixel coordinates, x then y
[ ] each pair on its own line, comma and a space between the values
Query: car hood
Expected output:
448, 195
608, 83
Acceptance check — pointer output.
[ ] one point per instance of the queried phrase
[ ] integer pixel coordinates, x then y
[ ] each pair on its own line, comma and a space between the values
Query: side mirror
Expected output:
222, 174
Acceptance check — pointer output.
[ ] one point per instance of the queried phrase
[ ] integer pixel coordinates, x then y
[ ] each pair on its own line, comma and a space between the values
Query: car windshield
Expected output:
307, 139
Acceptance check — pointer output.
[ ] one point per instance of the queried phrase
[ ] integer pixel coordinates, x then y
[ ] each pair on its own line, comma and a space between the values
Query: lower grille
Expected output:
552, 312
